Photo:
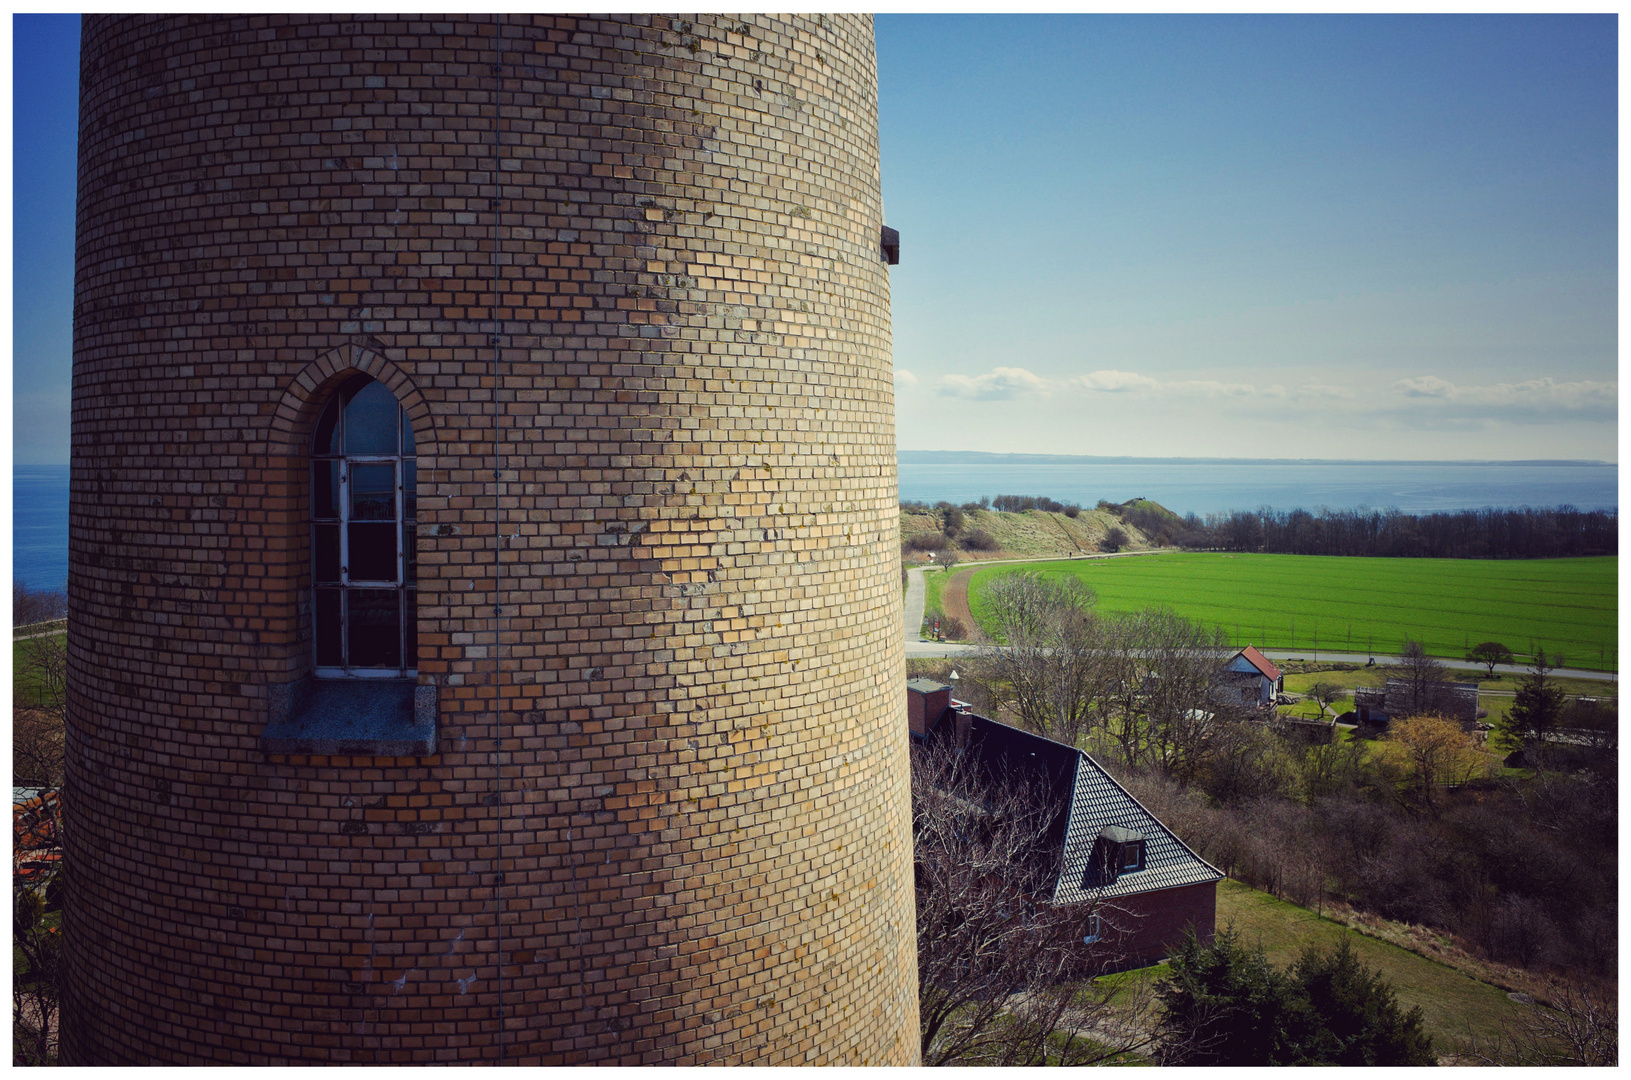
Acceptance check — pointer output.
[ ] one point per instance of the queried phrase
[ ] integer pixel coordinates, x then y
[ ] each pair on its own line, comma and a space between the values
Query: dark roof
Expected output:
1098, 801
925, 686
1086, 801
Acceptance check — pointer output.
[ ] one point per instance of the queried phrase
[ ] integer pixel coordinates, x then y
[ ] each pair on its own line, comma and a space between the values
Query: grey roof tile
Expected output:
1086, 799
1098, 801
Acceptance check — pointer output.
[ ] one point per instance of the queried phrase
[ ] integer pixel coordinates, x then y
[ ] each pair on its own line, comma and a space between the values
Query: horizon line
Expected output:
972, 456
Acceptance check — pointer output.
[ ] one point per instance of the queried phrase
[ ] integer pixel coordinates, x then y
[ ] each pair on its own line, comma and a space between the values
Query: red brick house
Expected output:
1138, 885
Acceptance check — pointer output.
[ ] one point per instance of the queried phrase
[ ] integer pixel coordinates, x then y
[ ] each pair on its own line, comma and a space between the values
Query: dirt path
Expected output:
954, 602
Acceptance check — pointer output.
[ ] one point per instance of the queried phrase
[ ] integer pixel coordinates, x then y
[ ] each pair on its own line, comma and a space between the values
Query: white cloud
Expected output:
1113, 382
1120, 382
904, 377
996, 385
1533, 398
1318, 390
1425, 386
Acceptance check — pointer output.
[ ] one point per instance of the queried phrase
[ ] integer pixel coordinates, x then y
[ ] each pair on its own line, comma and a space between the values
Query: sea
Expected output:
39, 526
1217, 487
40, 492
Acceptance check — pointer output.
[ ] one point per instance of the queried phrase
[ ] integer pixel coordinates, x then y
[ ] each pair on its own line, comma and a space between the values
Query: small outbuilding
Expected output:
1378, 705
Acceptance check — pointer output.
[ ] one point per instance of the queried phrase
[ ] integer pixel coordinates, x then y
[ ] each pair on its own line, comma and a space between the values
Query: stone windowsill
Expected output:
373, 717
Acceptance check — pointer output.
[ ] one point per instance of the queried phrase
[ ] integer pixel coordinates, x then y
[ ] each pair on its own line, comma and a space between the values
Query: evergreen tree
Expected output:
1354, 1016
1226, 1005
1535, 708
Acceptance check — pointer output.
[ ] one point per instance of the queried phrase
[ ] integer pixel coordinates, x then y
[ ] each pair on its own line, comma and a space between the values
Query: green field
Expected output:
1337, 604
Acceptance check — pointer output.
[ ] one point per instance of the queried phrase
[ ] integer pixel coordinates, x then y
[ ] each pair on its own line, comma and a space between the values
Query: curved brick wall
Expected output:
668, 819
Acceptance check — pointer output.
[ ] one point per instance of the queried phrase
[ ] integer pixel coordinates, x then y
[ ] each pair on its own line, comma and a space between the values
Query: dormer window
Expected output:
1117, 851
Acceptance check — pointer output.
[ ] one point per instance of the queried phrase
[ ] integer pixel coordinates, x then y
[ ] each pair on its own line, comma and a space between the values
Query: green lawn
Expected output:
1450, 1002
25, 682
1313, 602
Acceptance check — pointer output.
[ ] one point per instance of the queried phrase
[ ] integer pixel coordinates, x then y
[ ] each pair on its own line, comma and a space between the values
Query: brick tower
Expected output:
483, 567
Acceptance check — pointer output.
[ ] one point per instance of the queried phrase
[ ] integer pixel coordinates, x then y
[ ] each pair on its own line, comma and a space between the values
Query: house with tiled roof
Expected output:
1138, 885
1249, 678
36, 847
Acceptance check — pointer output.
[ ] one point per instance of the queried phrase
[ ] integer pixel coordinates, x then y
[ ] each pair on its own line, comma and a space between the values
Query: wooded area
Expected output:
1462, 534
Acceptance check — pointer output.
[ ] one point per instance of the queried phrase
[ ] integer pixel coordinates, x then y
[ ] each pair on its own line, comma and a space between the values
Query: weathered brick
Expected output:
668, 821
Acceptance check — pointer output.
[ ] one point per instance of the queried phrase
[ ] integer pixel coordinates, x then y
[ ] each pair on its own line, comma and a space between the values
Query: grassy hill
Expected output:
1026, 534
1452, 1004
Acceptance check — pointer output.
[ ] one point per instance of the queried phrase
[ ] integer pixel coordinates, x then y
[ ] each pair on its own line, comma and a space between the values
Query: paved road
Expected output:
930, 650
917, 598
45, 633
1458, 665
917, 595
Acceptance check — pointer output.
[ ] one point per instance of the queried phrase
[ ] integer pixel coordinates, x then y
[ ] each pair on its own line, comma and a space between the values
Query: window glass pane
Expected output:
325, 543
370, 421
326, 627
373, 628
371, 552
410, 625
326, 439
325, 489
373, 491
410, 528
407, 435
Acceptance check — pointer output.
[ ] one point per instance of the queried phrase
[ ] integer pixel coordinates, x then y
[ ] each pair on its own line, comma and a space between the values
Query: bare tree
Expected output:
36, 938
32, 606
999, 966
1326, 694
1048, 670
1575, 1025
1183, 712
1424, 679
39, 711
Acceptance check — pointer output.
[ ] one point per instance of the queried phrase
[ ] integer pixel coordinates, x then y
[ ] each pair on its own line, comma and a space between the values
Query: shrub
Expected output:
953, 518
1072, 510
923, 541
1114, 540
1226, 1005
952, 628
978, 540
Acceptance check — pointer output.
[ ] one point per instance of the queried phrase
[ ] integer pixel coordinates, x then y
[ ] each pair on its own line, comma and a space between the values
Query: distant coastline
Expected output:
980, 457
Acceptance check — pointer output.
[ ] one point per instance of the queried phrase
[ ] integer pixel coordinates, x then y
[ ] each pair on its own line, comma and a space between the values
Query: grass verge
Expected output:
1451, 1002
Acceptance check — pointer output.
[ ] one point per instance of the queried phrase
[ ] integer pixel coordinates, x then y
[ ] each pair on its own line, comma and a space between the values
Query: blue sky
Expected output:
45, 142
1276, 237
1373, 237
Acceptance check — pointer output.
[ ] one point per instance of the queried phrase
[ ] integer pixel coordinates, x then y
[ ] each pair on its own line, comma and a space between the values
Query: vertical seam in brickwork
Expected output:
498, 545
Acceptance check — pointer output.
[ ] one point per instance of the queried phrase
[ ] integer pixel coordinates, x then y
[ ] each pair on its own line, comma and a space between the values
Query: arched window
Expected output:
363, 477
